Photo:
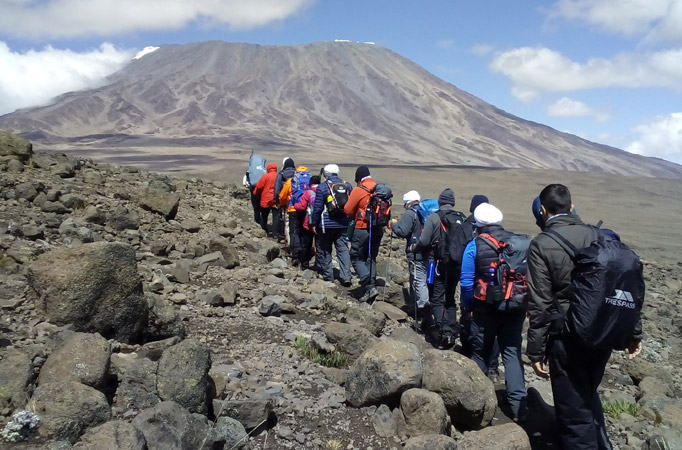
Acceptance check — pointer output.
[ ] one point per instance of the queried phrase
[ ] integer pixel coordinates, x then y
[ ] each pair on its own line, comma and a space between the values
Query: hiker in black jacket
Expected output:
409, 227
576, 371
279, 217
443, 306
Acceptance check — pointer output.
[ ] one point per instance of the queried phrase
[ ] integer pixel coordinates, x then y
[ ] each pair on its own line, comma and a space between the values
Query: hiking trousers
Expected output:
255, 204
485, 327
365, 265
333, 237
295, 229
575, 373
419, 290
306, 251
264, 213
277, 222
443, 307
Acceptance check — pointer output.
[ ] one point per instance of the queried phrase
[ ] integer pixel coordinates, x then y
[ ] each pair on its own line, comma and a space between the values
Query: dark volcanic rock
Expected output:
183, 375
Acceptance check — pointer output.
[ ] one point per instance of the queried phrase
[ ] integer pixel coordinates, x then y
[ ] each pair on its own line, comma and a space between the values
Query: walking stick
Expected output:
388, 262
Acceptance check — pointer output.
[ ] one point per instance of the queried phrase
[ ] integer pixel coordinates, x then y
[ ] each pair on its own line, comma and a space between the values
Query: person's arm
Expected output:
540, 301
425, 241
466, 281
318, 206
353, 202
403, 227
279, 182
260, 185
302, 203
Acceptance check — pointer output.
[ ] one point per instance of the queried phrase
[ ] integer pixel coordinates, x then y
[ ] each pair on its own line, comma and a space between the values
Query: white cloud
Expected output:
660, 137
481, 49
35, 77
534, 70
657, 20
73, 18
446, 43
566, 107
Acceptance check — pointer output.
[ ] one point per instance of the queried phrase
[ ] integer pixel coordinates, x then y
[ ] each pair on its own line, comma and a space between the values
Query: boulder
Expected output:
431, 442
14, 147
383, 372
391, 312
164, 321
124, 219
348, 338
227, 249
95, 287
508, 436
229, 434
251, 413
117, 434
16, 375
468, 394
183, 375
26, 191
169, 426
271, 305
423, 413
160, 202
372, 320
67, 409
83, 357
137, 386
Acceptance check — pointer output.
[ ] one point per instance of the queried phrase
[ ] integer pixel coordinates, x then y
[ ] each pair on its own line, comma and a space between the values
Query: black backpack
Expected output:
378, 213
449, 249
336, 198
607, 292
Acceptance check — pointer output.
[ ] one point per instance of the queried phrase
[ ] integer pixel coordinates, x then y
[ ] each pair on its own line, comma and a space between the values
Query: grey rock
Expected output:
229, 293
271, 305
15, 146
229, 433
118, 434
93, 214
213, 298
124, 219
227, 249
183, 375
468, 394
181, 271
508, 436
664, 438
423, 413
191, 225
92, 177
431, 442
212, 259
372, 320
383, 372
164, 321
160, 202
391, 312
72, 201
384, 422
137, 386
26, 191
153, 350
54, 207
169, 426
15, 166
83, 357
251, 413
67, 409
16, 375
95, 287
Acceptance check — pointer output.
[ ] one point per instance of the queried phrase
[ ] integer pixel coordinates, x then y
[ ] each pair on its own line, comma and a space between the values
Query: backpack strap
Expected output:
491, 241
563, 242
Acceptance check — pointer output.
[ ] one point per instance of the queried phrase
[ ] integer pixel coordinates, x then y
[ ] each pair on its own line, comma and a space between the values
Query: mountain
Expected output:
326, 101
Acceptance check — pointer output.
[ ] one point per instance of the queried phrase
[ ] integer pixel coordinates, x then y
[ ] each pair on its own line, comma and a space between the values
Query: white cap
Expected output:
411, 196
487, 214
330, 169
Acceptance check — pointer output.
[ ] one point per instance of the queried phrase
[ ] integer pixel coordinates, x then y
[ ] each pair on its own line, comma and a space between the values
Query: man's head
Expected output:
447, 197
315, 179
486, 214
555, 199
477, 200
360, 173
410, 198
330, 170
288, 162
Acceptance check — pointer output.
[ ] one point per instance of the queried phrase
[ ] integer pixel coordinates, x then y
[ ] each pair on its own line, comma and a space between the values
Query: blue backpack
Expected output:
427, 207
256, 168
299, 184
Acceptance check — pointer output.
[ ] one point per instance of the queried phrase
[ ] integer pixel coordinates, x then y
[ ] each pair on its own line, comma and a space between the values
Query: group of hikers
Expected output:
581, 289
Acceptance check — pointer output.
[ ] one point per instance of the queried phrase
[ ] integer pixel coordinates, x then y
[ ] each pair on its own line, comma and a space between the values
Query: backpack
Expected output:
508, 291
285, 193
336, 199
448, 249
378, 212
300, 183
427, 207
256, 169
607, 292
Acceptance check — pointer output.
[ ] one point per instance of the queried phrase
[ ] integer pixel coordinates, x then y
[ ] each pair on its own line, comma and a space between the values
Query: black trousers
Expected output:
278, 222
295, 230
306, 252
264, 213
575, 373
443, 307
255, 203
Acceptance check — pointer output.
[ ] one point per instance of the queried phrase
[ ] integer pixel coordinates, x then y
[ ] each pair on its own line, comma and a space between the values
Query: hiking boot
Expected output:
373, 293
522, 417
447, 342
494, 375
346, 283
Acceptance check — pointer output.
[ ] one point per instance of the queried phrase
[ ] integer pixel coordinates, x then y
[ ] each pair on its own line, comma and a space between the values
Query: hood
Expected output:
272, 167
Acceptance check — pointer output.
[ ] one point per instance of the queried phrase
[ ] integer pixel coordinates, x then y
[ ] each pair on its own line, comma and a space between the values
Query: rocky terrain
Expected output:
143, 311
202, 103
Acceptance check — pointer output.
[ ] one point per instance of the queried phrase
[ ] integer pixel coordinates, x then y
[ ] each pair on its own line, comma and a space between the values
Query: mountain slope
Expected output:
339, 100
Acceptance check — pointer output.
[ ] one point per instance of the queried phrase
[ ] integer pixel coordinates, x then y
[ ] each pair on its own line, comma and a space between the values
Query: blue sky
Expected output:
606, 70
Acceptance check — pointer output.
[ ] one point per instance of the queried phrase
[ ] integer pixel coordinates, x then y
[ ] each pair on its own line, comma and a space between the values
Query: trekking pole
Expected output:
388, 262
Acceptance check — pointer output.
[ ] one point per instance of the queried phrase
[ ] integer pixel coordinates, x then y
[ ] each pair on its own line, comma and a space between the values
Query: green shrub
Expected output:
333, 359
619, 407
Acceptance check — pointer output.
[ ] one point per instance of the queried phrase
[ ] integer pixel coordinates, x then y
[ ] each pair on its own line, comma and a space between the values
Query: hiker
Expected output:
439, 230
253, 173
307, 236
265, 189
366, 238
490, 321
409, 227
291, 193
466, 233
575, 370
329, 222
279, 218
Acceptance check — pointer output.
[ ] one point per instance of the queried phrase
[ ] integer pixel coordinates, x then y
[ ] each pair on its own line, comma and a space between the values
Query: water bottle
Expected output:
493, 293
431, 272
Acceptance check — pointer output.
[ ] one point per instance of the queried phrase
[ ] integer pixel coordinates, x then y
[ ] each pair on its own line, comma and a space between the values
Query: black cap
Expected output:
477, 200
361, 172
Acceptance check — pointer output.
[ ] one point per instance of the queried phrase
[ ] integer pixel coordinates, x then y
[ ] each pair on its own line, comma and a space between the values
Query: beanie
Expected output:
330, 169
411, 196
487, 214
477, 200
288, 162
536, 207
361, 172
447, 197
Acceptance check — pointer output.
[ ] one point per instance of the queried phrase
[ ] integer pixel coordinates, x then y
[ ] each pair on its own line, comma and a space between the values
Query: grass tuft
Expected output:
620, 407
333, 444
333, 359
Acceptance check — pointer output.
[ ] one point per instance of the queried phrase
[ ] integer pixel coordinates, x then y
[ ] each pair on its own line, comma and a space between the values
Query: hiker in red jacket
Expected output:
266, 189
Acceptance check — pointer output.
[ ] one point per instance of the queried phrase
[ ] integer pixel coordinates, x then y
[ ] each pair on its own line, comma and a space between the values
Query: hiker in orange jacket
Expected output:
266, 189
363, 262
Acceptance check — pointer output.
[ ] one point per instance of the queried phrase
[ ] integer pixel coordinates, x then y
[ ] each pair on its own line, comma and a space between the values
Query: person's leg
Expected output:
287, 236
438, 306
295, 227
264, 213
276, 222
324, 256
306, 250
509, 339
477, 340
377, 234
255, 204
358, 255
451, 326
342, 254
573, 376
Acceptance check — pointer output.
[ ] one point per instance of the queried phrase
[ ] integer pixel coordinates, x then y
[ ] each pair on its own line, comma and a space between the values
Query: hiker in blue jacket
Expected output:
330, 229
